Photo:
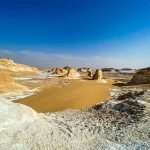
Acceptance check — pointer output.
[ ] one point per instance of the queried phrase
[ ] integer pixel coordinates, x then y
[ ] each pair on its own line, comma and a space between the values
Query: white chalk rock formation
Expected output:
59, 71
72, 74
12, 114
98, 75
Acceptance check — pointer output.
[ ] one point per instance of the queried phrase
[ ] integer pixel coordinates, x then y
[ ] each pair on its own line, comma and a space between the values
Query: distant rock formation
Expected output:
141, 77
67, 68
85, 70
59, 71
72, 74
98, 75
112, 70
127, 70
52, 70
82, 70
7, 64
90, 74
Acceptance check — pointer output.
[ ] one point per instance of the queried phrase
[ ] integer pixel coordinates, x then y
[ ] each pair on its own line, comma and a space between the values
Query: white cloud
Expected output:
45, 59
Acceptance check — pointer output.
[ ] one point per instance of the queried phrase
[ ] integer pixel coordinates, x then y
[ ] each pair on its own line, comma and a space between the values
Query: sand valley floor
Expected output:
68, 94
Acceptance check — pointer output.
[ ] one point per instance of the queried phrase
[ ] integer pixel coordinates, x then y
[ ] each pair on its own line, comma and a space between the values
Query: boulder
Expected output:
82, 70
141, 77
90, 73
60, 71
72, 74
98, 75
67, 68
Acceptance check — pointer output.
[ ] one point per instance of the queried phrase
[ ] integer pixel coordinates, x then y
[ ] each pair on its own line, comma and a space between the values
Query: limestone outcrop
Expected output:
67, 68
7, 64
98, 75
141, 77
59, 71
72, 74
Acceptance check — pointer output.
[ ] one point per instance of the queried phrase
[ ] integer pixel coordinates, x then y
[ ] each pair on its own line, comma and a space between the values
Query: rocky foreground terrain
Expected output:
122, 122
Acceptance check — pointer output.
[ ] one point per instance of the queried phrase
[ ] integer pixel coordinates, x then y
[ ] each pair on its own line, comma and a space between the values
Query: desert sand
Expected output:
8, 84
69, 94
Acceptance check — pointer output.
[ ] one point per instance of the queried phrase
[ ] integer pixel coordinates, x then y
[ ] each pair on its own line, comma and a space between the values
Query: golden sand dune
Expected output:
10, 69
8, 84
76, 94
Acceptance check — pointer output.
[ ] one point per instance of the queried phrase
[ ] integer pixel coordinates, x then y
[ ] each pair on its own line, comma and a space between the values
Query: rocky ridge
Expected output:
7, 64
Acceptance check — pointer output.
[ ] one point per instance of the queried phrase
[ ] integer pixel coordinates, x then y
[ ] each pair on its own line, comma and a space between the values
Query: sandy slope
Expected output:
8, 70
8, 84
69, 94
9, 65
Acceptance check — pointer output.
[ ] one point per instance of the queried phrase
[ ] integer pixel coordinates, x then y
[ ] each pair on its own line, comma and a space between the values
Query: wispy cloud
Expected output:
45, 59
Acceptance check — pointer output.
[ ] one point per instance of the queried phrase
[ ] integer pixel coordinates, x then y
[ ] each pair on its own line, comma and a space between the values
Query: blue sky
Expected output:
95, 33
